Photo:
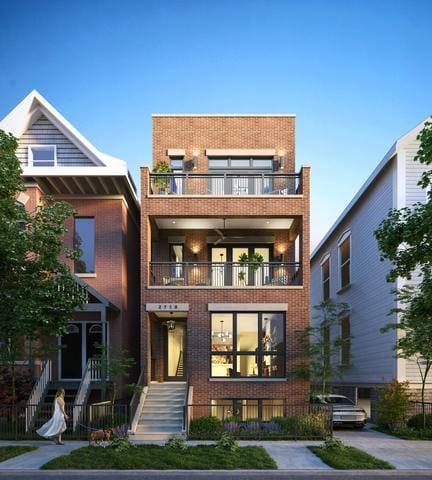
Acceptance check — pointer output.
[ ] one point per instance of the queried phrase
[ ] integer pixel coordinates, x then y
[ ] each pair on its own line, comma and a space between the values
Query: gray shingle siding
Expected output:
43, 132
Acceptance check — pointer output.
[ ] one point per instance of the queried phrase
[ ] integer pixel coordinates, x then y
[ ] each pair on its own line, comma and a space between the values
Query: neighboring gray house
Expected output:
346, 267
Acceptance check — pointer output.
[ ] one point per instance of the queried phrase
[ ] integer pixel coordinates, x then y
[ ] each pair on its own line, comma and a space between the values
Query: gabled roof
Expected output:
95, 293
399, 144
34, 106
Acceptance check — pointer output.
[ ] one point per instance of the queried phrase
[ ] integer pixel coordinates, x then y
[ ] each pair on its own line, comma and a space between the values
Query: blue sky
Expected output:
356, 73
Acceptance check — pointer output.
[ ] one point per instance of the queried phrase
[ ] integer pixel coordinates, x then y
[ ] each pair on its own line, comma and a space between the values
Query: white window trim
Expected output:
346, 235
324, 259
30, 153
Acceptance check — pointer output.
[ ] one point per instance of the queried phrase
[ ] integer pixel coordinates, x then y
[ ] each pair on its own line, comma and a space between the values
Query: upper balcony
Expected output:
226, 184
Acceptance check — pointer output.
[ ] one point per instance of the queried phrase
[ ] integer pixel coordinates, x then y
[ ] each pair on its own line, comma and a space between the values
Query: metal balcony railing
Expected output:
225, 184
223, 274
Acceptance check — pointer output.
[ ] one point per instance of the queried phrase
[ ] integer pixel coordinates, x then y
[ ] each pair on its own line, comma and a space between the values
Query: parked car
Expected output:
345, 411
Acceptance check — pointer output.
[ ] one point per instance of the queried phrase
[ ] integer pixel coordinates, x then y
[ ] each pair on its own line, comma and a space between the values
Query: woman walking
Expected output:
54, 428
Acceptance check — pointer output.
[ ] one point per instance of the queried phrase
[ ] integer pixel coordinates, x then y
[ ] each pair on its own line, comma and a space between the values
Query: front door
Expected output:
175, 352
78, 346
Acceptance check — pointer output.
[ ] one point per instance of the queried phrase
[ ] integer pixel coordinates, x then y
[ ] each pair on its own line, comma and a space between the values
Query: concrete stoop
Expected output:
162, 413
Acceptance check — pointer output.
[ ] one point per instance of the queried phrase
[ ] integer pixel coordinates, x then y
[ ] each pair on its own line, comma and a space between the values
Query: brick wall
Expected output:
195, 134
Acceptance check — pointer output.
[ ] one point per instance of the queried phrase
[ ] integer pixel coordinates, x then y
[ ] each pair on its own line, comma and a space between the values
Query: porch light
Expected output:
170, 325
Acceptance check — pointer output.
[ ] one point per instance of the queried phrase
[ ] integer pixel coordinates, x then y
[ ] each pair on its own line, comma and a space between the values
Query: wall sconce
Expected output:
195, 159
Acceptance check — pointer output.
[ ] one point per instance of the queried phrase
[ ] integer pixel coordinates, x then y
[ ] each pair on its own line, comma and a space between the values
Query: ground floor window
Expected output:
250, 344
247, 409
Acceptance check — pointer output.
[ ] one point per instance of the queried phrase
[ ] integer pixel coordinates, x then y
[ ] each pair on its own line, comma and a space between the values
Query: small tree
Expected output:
393, 404
415, 322
38, 293
321, 346
115, 365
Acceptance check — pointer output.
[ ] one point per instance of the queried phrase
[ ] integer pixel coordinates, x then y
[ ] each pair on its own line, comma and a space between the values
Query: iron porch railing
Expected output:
225, 184
223, 274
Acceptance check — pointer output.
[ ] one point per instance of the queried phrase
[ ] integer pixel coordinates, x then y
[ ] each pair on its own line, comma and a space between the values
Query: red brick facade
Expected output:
195, 134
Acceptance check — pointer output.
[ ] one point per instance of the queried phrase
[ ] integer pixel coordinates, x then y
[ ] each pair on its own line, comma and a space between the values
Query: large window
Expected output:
345, 336
42, 155
325, 277
248, 344
84, 234
345, 260
240, 163
247, 409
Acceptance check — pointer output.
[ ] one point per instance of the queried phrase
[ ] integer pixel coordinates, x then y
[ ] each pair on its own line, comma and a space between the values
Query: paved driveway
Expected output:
403, 454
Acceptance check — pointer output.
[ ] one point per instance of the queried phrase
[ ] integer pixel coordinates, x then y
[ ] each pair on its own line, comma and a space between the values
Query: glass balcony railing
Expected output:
225, 184
223, 274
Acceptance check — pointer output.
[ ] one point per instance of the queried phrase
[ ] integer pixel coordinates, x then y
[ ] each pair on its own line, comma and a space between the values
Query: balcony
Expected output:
225, 274
220, 184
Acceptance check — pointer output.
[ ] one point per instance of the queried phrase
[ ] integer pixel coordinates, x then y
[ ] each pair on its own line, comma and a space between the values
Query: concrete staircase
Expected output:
162, 413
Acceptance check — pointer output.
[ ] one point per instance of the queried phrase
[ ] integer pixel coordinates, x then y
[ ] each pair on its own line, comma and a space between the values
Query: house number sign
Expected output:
167, 307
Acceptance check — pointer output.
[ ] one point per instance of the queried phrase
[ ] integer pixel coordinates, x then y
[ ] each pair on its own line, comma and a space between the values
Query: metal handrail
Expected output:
226, 183
221, 274
137, 401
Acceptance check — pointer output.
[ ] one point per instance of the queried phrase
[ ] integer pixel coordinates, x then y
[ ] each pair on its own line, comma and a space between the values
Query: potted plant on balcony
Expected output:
253, 261
162, 182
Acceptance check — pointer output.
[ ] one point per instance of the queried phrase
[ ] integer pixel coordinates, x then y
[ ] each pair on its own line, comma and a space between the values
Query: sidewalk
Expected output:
35, 459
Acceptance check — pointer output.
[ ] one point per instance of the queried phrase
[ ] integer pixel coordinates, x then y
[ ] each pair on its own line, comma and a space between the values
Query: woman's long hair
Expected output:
60, 393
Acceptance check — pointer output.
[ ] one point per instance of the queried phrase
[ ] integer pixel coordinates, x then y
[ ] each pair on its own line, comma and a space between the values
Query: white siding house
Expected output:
393, 184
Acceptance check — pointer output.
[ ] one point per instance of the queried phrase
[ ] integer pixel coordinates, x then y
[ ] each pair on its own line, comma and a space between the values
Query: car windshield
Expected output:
339, 401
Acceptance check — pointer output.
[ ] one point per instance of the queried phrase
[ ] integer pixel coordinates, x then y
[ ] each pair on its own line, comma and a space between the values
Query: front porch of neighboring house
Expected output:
75, 367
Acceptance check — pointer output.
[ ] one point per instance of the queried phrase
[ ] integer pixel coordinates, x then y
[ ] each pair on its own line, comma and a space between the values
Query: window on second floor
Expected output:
42, 155
84, 239
345, 338
325, 277
240, 163
345, 260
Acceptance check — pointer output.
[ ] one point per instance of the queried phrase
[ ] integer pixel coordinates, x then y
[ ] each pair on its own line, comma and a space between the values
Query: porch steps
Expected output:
162, 413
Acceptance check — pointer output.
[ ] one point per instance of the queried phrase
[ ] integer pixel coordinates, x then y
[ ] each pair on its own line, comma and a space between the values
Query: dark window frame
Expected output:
84, 217
259, 353
251, 166
325, 281
236, 401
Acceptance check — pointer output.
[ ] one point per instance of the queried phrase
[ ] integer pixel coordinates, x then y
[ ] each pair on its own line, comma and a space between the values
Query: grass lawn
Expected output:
13, 451
202, 457
349, 458
408, 433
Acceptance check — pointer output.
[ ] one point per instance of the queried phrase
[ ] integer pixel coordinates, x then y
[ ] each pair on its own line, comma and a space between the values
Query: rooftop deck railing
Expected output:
223, 274
225, 184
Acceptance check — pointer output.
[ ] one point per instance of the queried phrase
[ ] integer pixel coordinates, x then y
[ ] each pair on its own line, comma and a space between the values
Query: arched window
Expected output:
344, 245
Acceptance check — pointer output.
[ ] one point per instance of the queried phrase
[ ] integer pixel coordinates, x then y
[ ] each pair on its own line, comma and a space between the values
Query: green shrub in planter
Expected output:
206, 426
417, 421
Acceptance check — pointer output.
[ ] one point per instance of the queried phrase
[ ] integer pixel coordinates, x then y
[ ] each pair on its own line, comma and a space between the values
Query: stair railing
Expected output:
92, 372
180, 364
187, 410
137, 402
38, 392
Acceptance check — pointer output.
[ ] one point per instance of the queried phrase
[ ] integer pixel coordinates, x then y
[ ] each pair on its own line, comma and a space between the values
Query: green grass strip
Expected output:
14, 451
350, 458
202, 457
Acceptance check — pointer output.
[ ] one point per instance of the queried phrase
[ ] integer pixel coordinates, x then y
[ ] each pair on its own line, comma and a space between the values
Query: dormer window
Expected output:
42, 155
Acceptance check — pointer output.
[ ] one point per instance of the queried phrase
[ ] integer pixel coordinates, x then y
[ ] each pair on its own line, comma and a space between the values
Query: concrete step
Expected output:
160, 421
159, 428
153, 436
161, 411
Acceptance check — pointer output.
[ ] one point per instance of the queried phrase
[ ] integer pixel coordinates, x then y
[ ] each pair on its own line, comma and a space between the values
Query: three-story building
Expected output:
225, 268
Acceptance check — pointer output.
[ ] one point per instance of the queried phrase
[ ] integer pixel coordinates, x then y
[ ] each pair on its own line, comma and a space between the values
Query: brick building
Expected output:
58, 161
224, 268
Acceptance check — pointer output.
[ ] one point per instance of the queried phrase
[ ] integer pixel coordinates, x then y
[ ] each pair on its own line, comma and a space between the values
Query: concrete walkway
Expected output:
403, 454
289, 455
35, 459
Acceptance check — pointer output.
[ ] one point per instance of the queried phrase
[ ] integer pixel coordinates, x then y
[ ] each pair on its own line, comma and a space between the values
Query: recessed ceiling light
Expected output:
268, 221
174, 222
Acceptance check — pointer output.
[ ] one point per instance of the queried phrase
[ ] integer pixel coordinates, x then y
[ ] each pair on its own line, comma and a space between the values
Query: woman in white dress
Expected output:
54, 428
